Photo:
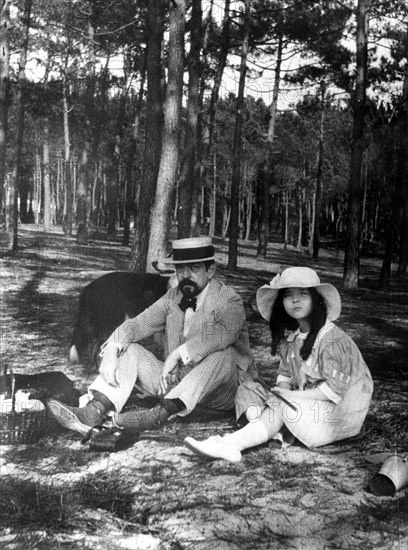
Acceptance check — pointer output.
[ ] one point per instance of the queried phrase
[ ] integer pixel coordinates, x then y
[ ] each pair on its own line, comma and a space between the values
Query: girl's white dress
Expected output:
337, 367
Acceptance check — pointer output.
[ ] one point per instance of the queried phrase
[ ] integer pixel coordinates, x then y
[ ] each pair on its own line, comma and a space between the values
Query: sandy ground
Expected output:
157, 494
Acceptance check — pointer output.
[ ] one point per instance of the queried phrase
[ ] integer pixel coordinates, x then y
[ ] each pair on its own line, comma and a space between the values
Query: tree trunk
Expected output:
226, 220
286, 236
364, 216
20, 119
263, 220
85, 168
248, 210
390, 230
37, 190
129, 185
319, 174
197, 209
166, 181
46, 178
114, 156
204, 146
82, 212
213, 208
301, 200
187, 181
4, 85
402, 166
237, 147
353, 231
67, 180
154, 125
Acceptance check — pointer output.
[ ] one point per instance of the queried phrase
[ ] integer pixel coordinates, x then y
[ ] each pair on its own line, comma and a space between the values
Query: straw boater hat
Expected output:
298, 277
192, 250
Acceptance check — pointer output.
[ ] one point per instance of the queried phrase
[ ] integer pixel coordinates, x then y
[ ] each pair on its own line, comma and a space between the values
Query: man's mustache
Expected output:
187, 282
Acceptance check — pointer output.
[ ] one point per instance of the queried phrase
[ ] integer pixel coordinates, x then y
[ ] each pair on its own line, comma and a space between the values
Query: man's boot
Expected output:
149, 419
81, 419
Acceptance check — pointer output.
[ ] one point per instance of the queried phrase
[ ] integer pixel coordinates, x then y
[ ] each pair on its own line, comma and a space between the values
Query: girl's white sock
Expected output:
254, 433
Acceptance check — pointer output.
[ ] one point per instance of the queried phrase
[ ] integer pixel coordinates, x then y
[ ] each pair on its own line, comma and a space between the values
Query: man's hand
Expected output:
108, 366
170, 365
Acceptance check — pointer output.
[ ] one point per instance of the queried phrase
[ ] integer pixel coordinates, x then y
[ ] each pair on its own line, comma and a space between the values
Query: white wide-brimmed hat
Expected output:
192, 250
298, 277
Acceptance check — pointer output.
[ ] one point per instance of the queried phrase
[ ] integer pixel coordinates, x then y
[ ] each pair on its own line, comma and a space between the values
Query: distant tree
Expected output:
129, 185
315, 233
85, 173
46, 176
114, 149
352, 252
153, 136
68, 183
205, 122
125, 42
22, 81
390, 206
402, 148
266, 180
4, 87
186, 180
236, 157
313, 31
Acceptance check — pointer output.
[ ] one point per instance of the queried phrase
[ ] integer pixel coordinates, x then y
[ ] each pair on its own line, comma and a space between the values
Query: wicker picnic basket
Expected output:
21, 427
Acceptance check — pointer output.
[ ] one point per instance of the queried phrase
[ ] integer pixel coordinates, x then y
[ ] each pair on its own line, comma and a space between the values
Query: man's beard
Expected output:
188, 288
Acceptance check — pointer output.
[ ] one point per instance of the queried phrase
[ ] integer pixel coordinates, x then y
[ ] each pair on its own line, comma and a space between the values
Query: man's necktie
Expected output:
187, 302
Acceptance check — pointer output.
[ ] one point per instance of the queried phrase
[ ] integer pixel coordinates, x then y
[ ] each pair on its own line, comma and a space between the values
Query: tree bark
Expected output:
237, 147
286, 236
300, 201
4, 85
352, 253
187, 182
213, 207
85, 169
166, 181
129, 185
114, 156
319, 176
263, 219
69, 202
17, 184
204, 146
153, 139
390, 232
248, 212
402, 167
197, 209
186, 193
46, 178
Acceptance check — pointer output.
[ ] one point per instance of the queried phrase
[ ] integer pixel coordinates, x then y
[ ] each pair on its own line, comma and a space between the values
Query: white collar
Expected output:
201, 297
296, 334
302, 335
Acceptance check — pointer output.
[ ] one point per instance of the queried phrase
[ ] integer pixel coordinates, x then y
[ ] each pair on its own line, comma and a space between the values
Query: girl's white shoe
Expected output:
213, 447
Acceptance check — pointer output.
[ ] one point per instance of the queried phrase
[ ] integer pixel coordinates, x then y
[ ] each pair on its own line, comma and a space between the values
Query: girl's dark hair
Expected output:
281, 321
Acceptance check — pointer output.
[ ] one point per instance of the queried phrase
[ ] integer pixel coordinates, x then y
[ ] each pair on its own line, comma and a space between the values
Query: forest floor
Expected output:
157, 494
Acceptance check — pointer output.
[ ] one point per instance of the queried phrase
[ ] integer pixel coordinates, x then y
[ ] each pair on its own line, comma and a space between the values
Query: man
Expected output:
207, 350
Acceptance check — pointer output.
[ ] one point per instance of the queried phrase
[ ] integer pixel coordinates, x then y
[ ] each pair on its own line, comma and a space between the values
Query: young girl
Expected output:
324, 386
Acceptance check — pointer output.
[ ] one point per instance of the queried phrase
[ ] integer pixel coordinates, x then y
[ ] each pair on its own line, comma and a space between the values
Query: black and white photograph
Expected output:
203, 268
